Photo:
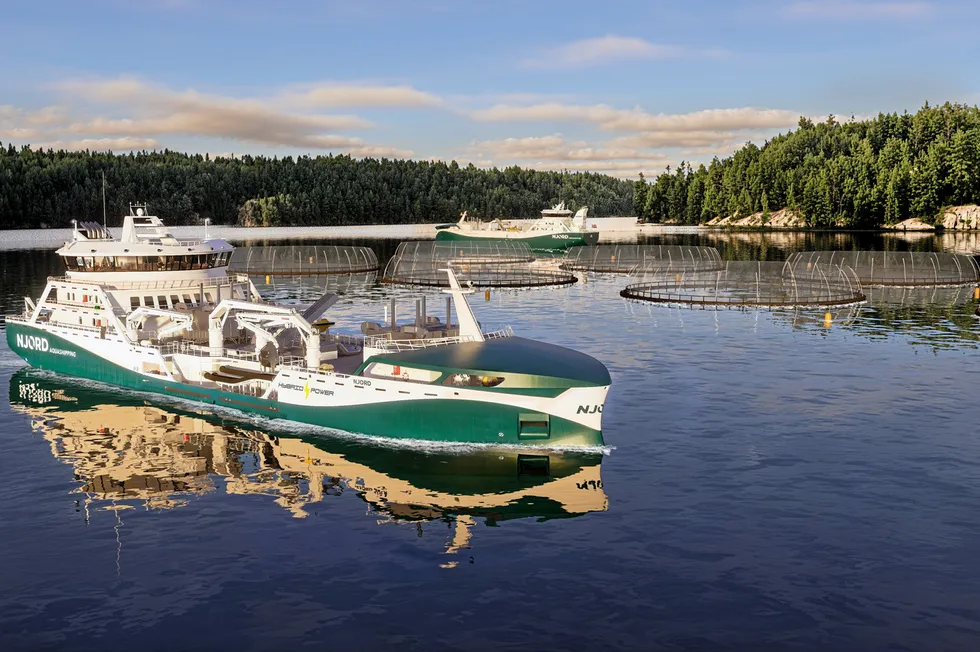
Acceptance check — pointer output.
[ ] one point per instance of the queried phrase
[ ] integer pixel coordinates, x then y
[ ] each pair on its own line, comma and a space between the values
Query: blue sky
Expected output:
618, 87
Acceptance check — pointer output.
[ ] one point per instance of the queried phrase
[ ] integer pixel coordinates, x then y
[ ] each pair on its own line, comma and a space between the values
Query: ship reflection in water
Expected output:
126, 453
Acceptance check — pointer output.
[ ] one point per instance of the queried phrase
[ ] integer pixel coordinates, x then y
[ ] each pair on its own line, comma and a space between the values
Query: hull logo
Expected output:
589, 409
32, 342
39, 343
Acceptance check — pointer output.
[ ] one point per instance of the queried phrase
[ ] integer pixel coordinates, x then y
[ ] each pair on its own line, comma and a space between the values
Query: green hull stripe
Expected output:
536, 243
432, 419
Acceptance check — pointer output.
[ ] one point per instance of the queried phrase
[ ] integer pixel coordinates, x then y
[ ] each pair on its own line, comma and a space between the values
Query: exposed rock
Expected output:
911, 224
962, 218
781, 219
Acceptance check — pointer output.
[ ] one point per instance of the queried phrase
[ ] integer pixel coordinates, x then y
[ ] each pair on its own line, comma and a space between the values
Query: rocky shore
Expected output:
954, 218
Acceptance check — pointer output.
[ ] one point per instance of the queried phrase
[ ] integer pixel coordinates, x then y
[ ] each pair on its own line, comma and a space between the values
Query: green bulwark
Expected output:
432, 419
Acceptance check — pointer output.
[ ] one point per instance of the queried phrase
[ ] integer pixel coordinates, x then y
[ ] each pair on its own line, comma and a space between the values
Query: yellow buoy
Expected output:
486, 295
976, 293
828, 319
268, 280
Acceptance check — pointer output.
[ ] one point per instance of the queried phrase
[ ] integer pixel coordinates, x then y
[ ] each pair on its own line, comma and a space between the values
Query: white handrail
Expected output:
382, 343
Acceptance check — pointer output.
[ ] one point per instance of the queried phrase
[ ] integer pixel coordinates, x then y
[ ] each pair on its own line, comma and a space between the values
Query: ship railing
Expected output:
387, 345
154, 285
74, 327
292, 362
204, 351
355, 340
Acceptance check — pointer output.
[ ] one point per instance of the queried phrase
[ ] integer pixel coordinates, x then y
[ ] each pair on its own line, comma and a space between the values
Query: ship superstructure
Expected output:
556, 230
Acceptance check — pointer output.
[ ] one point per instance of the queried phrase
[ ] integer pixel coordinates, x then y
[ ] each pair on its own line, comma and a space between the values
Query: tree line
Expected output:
856, 174
51, 188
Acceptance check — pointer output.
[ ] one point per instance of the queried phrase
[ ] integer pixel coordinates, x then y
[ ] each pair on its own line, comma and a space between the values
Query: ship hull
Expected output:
480, 421
549, 242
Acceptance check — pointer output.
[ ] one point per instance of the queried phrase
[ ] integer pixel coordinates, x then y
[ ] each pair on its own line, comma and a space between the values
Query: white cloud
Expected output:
603, 49
553, 152
646, 142
20, 124
554, 148
856, 10
18, 133
125, 144
129, 113
676, 139
636, 119
330, 94
380, 152
161, 111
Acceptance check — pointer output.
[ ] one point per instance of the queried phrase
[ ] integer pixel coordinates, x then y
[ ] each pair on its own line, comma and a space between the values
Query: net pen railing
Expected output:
297, 260
641, 259
491, 252
895, 268
482, 276
750, 284
479, 264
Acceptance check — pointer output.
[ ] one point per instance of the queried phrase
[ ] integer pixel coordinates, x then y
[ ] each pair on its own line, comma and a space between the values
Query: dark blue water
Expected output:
772, 484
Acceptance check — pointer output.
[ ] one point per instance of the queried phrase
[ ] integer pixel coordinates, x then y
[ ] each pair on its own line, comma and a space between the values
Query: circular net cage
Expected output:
895, 268
493, 252
480, 264
750, 284
309, 287
299, 260
641, 259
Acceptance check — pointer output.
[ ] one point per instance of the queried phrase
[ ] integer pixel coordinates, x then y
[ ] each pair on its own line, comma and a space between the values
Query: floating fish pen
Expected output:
480, 264
641, 259
749, 284
493, 252
300, 260
895, 268
309, 287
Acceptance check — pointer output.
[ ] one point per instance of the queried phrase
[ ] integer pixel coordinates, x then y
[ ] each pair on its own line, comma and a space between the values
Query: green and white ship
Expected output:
152, 313
555, 231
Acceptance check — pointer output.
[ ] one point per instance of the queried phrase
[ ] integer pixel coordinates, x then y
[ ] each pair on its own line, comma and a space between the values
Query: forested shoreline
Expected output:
47, 188
856, 174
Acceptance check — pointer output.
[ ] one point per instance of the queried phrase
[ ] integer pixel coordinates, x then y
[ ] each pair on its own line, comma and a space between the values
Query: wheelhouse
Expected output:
159, 263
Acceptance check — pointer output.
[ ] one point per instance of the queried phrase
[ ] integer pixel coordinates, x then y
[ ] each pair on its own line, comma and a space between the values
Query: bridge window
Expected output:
134, 303
146, 263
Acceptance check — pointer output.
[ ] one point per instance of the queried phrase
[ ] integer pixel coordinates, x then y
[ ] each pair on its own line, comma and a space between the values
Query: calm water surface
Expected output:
771, 483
